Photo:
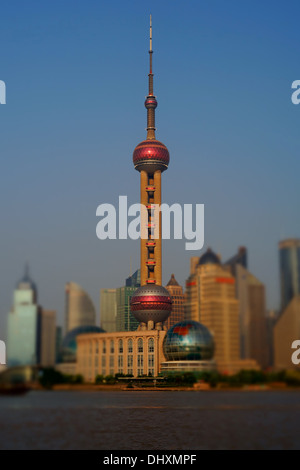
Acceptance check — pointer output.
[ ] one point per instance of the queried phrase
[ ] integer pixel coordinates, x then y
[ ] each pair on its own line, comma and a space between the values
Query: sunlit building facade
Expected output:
136, 353
178, 299
211, 300
108, 309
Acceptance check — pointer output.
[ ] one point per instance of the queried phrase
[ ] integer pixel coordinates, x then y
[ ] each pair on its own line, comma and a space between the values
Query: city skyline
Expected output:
56, 178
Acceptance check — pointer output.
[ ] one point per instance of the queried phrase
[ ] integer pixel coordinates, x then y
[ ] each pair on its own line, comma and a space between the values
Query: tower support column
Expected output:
144, 201
157, 251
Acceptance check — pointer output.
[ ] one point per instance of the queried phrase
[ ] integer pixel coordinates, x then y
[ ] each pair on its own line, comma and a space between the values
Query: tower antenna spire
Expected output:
150, 102
150, 49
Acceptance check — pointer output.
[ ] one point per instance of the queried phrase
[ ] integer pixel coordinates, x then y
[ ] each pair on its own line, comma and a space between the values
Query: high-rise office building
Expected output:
272, 316
211, 300
58, 342
23, 324
79, 308
252, 310
252, 313
47, 336
134, 279
178, 299
108, 310
125, 319
289, 263
239, 259
286, 331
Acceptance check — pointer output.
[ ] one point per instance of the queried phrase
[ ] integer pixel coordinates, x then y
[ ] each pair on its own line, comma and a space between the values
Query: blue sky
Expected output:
76, 77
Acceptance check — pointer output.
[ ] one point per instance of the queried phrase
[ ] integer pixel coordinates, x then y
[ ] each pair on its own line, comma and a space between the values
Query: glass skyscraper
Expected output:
289, 262
125, 319
23, 325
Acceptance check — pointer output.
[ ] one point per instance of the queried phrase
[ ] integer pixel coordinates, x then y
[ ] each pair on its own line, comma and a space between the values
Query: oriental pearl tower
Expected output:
151, 303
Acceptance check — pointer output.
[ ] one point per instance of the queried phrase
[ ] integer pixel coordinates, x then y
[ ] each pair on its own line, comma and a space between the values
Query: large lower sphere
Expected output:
188, 340
151, 155
151, 303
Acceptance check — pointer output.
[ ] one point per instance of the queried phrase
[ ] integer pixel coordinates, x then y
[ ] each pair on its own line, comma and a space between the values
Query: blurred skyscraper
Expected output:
58, 342
125, 320
253, 320
178, 300
272, 316
211, 300
289, 262
23, 324
108, 310
47, 338
287, 330
134, 280
79, 308
241, 259
252, 310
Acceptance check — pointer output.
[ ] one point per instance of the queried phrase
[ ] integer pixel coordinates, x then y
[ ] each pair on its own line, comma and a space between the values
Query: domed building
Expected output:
67, 360
69, 344
188, 346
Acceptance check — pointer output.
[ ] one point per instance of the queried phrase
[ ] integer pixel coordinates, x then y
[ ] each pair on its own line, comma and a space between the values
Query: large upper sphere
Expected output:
188, 341
151, 303
151, 155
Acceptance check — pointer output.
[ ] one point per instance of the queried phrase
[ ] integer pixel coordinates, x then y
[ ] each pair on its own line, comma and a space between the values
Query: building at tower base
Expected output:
134, 353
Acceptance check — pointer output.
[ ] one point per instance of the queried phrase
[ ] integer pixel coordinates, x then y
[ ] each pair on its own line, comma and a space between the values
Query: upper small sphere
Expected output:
151, 155
188, 341
151, 303
209, 258
150, 102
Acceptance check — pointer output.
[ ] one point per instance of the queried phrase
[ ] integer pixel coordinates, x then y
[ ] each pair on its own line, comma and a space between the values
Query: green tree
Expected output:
99, 379
49, 377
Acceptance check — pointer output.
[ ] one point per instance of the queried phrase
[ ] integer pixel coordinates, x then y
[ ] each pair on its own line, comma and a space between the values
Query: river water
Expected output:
166, 420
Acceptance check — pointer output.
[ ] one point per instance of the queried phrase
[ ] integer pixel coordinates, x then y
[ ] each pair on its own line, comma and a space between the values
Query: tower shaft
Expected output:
151, 266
